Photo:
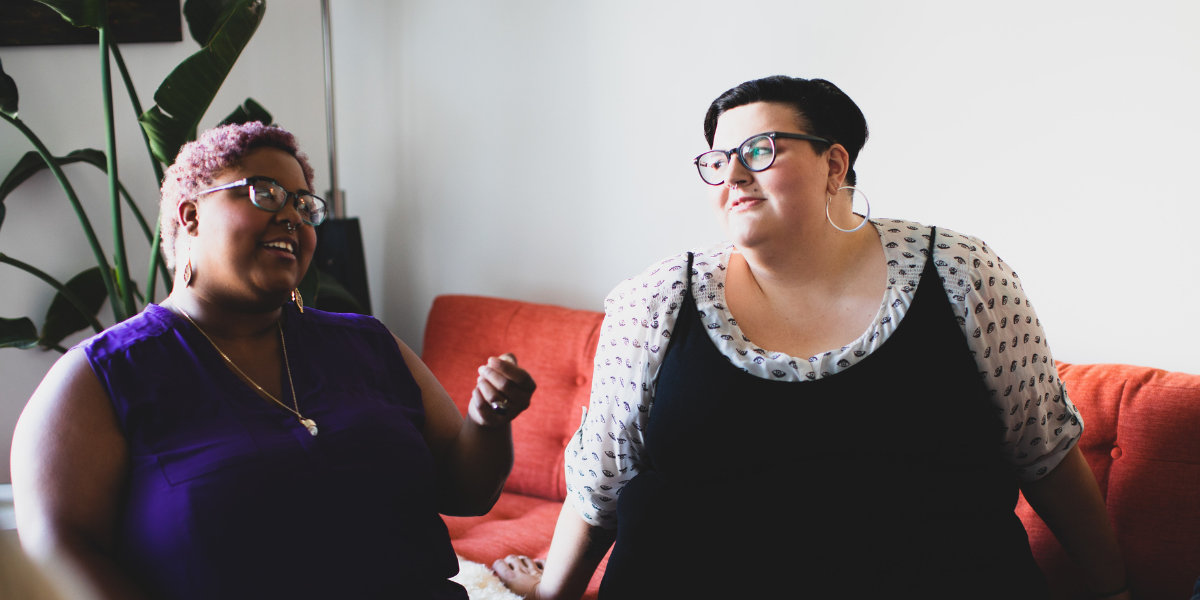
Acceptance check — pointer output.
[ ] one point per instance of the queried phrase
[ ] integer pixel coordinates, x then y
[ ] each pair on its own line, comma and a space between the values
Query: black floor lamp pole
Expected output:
339, 239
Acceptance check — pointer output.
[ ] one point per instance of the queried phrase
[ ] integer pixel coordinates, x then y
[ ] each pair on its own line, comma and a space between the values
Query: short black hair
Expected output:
824, 110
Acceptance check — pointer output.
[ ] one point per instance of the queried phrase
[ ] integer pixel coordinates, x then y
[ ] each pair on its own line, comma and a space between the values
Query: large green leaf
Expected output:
80, 13
334, 297
8, 94
248, 112
17, 333
187, 92
63, 318
202, 18
32, 162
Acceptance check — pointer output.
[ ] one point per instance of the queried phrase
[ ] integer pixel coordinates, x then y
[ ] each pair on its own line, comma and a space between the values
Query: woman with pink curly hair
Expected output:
230, 443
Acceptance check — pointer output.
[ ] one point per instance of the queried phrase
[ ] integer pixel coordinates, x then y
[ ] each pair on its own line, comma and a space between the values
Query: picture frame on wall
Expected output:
30, 23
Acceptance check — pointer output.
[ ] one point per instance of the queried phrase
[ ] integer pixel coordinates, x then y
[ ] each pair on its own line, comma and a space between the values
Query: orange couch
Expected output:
1142, 441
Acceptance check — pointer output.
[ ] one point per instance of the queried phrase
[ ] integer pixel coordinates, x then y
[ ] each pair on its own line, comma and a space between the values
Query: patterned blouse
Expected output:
998, 320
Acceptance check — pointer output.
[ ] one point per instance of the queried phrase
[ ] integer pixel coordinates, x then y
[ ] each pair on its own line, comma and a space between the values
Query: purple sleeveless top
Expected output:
230, 497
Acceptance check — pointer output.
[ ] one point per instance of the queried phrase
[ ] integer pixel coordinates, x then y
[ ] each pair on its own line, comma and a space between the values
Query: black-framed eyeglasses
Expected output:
266, 194
756, 154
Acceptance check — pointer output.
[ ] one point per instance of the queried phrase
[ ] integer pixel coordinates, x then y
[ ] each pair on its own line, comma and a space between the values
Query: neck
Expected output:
820, 256
220, 320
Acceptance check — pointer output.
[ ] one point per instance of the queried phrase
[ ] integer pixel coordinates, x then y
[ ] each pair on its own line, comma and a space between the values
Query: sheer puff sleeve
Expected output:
606, 451
1014, 361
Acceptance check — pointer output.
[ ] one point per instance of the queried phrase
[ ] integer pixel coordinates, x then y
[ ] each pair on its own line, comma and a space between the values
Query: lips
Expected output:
745, 202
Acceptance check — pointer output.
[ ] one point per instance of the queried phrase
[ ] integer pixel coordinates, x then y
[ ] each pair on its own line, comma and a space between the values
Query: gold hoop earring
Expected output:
299, 300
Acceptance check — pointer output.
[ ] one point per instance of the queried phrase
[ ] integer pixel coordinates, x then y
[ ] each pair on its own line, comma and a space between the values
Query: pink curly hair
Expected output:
200, 162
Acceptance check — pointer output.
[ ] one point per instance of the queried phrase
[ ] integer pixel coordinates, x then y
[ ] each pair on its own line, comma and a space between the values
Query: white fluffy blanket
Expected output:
480, 582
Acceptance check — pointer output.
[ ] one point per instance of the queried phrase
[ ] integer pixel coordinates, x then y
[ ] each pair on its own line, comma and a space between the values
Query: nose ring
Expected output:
289, 226
733, 185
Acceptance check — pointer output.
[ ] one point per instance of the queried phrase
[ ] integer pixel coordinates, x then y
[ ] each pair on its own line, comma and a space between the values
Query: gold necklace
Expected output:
308, 424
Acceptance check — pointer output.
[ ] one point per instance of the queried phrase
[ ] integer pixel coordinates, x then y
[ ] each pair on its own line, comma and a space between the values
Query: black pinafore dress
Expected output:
809, 489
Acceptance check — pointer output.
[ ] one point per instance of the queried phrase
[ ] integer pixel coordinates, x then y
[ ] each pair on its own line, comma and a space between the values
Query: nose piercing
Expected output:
733, 186
288, 225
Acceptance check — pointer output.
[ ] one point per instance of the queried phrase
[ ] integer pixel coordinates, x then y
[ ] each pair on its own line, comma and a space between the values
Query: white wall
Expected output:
542, 150
60, 100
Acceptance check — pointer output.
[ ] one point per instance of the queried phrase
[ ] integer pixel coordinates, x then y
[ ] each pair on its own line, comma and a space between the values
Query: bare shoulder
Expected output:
69, 458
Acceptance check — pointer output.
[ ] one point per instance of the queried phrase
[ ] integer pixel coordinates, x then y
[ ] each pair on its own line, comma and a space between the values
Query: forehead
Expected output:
737, 124
266, 162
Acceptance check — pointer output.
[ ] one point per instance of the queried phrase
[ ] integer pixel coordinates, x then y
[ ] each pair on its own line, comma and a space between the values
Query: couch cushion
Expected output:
554, 344
1142, 440
516, 525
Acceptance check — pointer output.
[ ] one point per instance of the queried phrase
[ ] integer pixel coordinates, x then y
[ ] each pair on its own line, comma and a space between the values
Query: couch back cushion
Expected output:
554, 344
1142, 440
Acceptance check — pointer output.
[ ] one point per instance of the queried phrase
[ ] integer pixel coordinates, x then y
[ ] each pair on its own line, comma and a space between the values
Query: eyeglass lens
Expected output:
269, 196
756, 153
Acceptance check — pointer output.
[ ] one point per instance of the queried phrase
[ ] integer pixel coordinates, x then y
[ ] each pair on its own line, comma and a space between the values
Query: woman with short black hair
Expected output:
827, 405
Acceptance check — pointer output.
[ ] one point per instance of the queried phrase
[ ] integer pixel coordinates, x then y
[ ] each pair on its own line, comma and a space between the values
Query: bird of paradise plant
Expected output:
222, 28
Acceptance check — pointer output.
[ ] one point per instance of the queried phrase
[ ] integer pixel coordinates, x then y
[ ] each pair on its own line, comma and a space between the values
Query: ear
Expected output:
838, 161
188, 216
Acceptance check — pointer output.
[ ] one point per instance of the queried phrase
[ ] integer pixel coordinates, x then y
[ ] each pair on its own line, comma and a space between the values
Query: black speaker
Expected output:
342, 267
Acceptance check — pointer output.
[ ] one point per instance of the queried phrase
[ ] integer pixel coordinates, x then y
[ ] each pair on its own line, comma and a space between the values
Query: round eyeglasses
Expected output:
267, 194
756, 154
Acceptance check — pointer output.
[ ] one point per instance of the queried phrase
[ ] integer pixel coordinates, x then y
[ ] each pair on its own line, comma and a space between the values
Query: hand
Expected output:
501, 393
520, 573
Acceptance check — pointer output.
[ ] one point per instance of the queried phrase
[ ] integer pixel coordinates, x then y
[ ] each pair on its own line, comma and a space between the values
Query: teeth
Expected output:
281, 245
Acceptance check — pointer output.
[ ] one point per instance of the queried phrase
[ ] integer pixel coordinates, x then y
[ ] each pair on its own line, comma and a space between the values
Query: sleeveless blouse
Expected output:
811, 511
229, 496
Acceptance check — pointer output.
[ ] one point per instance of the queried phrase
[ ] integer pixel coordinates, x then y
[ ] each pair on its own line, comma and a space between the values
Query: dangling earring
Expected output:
298, 299
829, 198
187, 269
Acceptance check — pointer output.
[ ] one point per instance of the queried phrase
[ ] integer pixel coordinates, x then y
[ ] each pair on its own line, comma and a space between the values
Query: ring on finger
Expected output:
500, 405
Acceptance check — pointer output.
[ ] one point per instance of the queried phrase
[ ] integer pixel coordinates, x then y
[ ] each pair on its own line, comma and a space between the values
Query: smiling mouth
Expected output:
281, 245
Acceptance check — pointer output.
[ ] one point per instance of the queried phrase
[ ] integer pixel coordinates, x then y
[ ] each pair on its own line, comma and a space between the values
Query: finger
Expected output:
503, 384
487, 414
511, 371
540, 564
500, 566
489, 392
509, 357
525, 562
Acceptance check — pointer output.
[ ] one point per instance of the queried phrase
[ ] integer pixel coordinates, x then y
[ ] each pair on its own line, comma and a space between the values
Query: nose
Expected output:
290, 212
737, 175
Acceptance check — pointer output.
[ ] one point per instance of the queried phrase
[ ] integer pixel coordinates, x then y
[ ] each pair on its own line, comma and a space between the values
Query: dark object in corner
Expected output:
340, 254
29, 23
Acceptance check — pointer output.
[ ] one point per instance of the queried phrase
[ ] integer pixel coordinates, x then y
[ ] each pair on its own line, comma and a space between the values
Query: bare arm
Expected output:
1069, 501
575, 552
474, 455
70, 470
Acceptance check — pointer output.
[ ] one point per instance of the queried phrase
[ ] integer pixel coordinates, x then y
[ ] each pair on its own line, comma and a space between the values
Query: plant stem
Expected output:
137, 109
151, 237
114, 195
155, 256
97, 251
62, 289
154, 261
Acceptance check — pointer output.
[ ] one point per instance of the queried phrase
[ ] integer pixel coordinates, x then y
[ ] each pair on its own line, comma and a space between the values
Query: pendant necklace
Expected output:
308, 424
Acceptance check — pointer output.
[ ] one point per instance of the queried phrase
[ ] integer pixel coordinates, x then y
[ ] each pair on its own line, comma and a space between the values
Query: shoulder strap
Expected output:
932, 240
689, 271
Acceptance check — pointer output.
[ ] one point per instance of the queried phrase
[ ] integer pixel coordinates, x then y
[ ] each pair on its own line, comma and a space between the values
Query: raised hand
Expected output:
502, 391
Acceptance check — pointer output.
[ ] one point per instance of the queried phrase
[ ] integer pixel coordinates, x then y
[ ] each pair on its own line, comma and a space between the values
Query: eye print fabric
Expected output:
999, 323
